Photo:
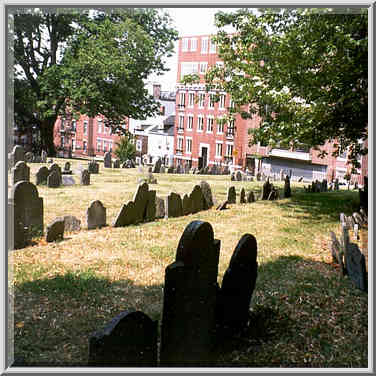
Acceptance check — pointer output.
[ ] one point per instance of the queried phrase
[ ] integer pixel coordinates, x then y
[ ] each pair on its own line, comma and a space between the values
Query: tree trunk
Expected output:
47, 136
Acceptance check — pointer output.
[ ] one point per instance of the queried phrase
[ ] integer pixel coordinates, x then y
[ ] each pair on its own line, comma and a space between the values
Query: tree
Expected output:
304, 72
87, 62
126, 148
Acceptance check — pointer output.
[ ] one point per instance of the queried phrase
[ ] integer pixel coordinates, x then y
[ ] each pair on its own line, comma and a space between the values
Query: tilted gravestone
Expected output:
238, 283
20, 172
222, 206
266, 189
190, 298
107, 160
187, 204
117, 163
28, 212
242, 196
93, 167
250, 197
96, 215
356, 266
55, 230
128, 340
159, 207
126, 216
173, 205
157, 166
41, 175
197, 199
287, 187
231, 195
85, 177
71, 223
208, 196
54, 179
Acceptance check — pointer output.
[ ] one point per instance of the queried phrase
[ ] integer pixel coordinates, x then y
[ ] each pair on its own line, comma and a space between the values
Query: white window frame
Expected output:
99, 126
85, 126
229, 146
211, 103
184, 44
191, 99
200, 123
193, 44
190, 122
213, 47
203, 67
204, 45
181, 122
220, 126
180, 142
222, 101
99, 144
201, 100
209, 121
182, 98
188, 145
217, 143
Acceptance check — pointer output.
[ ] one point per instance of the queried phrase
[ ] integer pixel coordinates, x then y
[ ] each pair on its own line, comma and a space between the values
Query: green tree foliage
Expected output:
87, 62
126, 148
303, 71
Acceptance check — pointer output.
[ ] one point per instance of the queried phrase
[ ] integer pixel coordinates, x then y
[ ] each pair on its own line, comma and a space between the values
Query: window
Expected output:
190, 123
211, 101
229, 150
139, 145
74, 125
188, 145
200, 123
209, 125
203, 67
218, 149
191, 99
182, 100
222, 101
204, 45
220, 125
99, 125
201, 100
231, 128
184, 47
180, 145
99, 144
193, 44
181, 123
212, 47
188, 68
85, 127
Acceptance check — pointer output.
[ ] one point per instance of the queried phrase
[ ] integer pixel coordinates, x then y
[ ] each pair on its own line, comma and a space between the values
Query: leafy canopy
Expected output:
304, 72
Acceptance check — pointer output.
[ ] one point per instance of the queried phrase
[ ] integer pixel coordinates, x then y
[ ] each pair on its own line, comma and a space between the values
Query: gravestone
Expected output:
173, 205
20, 172
242, 196
273, 195
96, 215
41, 175
71, 223
56, 168
117, 163
208, 196
55, 230
238, 176
222, 206
232, 176
67, 180
140, 200
197, 199
231, 195
85, 177
337, 252
190, 299
54, 179
43, 156
93, 167
266, 189
238, 283
18, 154
150, 206
250, 197
29, 157
170, 170
187, 204
159, 207
287, 187
67, 169
179, 169
107, 160
336, 185
126, 216
128, 340
27, 214
157, 166
356, 266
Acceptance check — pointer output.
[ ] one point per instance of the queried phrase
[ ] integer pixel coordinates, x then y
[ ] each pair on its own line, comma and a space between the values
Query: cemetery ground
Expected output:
304, 313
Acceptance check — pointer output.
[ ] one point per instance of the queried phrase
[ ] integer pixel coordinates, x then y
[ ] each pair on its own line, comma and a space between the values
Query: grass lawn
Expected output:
304, 313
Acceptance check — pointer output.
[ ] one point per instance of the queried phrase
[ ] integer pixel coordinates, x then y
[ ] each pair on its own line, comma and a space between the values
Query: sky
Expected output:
188, 22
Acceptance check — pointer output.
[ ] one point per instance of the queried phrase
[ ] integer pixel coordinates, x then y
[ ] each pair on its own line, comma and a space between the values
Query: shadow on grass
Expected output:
315, 205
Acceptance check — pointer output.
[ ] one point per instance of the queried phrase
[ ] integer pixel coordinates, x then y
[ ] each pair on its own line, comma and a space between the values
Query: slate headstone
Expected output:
85, 177
356, 266
242, 196
54, 179
117, 163
187, 204
222, 206
197, 198
96, 215
238, 176
173, 205
67, 169
93, 167
159, 207
18, 154
157, 166
150, 206
287, 187
56, 168
41, 175
71, 223
337, 252
231, 195
266, 189
128, 340
250, 197
107, 160
126, 216
140, 200
20, 172
29, 157
55, 230
190, 299
208, 196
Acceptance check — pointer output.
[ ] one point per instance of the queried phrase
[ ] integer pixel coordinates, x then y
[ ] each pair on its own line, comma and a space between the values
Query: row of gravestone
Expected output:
323, 186
346, 254
197, 313
18, 154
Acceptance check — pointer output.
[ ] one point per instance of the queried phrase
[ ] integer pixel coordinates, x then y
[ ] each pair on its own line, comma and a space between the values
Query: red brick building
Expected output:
201, 139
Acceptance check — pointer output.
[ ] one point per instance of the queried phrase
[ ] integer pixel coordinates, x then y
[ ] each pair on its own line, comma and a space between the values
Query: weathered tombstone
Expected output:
20, 172
237, 287
93, 167
232, 176
140, 200
250, 197
96, 215
55, 230
208, 196
222, 206
157, 166
231, 195
71, 223
356, 266
287, 187
242, 196
107, 160
190, 299
54, 179
27, 214
128, 340
159, 208
67, 180
41, 175
117, 163
18, 154
67, 169
150, 206
337, 252
266, 189
325, 185
197, 199
273, 195
238, 175
43, 156
126, 216
173, 205
85, 177
56, 168
187, 204
29, 157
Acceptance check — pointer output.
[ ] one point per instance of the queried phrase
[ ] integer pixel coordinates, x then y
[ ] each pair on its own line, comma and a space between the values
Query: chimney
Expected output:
156, 91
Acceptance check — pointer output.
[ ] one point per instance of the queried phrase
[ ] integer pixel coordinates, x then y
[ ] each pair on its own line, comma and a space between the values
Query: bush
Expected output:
125, 148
